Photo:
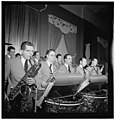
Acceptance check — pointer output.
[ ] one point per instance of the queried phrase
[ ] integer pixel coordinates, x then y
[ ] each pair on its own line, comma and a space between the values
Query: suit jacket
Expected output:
81, 71
6, 58
43, 74
94, 71
63, 69
15, 71
58, 64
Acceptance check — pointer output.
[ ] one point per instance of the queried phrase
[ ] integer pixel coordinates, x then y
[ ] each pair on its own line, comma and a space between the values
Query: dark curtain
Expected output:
22, 23
54, 36
70, 40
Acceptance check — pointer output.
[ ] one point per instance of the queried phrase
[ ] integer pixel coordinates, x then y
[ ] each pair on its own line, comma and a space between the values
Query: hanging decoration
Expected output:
64, 26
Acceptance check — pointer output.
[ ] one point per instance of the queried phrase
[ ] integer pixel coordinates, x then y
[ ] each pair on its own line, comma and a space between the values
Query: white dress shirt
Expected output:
23, 62
49, 65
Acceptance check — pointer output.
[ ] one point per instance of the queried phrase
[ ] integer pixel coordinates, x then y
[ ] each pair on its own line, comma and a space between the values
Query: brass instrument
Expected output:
50, 83
32, 72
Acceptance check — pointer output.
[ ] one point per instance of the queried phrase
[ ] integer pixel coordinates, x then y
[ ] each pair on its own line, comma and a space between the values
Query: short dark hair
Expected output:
65, 56
35, 53
17, 54
50, 50
58, 55
25, 43
81, 59
9, 48
94, 58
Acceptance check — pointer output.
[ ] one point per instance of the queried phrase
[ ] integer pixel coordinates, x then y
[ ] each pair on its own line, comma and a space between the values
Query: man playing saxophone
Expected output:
16, 68
47, 69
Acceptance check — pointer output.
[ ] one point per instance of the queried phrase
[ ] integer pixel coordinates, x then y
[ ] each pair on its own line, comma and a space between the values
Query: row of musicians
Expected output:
67, 66
15, 67
82, 69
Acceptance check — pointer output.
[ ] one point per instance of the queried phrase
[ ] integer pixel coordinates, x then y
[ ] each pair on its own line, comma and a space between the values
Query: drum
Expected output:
95, 101
64, 104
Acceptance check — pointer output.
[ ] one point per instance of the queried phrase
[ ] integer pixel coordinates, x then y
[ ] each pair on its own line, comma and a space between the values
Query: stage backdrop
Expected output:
23, 22
61, 35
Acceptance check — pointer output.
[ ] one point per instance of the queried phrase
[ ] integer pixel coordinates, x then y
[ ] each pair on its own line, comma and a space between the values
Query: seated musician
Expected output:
81, 69
36, 57
16, 68
94, 68
67, 67
46, 70
59, 61
10, 54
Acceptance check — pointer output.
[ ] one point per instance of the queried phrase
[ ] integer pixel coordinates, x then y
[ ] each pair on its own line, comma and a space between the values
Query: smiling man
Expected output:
67, 67
16, 68
10, 54
48, 67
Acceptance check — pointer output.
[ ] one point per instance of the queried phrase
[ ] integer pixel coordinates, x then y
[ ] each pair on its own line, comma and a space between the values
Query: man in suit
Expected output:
10, 54
67, 67
47, 69
81, 68
18, 55
59, 61
94, 68
16, 68
36, 57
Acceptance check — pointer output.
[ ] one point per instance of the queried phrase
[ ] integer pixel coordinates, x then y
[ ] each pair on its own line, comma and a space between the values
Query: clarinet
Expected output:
32, 72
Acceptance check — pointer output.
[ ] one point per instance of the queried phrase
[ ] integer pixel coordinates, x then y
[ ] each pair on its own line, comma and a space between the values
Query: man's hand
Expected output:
44, 84
30, 81
102, 68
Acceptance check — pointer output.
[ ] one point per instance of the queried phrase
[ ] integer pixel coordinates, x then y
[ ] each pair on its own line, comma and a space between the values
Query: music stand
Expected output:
100, 79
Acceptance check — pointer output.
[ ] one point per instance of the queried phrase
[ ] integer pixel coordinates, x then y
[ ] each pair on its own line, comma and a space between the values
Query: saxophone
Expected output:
32, 72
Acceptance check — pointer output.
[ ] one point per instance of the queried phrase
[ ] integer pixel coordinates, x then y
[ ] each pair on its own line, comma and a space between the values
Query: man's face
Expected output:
68, 60
37, 55
95, 61
84, 62
28, 52
51, 56
59, 59
12, 53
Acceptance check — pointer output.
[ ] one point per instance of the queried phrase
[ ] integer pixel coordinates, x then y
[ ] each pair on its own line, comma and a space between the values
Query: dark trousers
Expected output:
22, 104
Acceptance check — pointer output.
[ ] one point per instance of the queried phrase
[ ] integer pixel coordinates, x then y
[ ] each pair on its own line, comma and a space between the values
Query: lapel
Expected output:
20, 66
81, 70
45, 68
17, 69
66, 69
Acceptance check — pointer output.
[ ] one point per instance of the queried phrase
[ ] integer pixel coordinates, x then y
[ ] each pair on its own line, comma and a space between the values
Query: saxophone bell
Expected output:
25, 90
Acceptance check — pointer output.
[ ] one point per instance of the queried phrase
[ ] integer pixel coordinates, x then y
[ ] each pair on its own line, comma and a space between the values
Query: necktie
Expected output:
50, 68
26, 66
96, 69
84, 70
69, 69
